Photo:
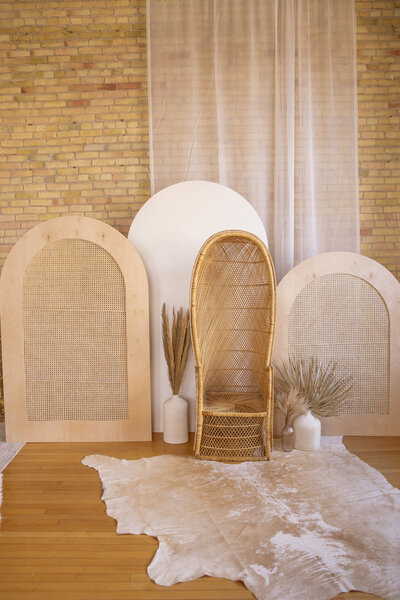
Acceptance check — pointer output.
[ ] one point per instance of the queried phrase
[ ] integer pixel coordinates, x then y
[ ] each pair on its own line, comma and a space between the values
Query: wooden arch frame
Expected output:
388, 288
137, 425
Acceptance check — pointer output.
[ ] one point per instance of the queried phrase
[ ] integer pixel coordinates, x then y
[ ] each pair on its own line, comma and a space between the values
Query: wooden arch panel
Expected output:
75, 335
345, 307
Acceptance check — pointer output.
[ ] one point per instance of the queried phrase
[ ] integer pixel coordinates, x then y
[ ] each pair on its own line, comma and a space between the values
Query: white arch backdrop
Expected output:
168, 232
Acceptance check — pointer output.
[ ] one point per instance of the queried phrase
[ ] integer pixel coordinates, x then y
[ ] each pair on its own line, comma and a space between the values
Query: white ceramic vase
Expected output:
307, 432
176, 426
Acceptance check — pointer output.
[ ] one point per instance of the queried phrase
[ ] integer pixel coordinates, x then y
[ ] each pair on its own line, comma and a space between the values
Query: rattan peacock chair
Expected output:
233, 295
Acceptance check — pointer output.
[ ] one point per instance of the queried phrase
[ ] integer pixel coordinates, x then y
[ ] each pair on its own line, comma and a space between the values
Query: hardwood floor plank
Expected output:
57, 543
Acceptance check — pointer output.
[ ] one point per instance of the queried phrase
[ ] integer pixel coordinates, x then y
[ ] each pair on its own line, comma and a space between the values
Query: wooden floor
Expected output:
56, 542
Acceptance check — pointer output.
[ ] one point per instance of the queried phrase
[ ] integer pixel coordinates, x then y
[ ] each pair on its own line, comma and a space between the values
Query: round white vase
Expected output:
176, 427
307, 432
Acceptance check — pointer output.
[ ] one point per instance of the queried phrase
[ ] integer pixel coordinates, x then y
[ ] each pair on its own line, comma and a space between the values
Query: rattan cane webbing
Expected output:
233, 438
74, 322
343, 318
233, 321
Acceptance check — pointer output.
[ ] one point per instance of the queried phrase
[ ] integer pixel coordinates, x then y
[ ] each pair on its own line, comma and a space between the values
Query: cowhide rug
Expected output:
303, 525
7, 450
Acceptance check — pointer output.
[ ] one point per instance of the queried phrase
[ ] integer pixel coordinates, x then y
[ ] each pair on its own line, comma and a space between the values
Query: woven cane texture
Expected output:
233, 322
343, 318
233, 438
74, 322
216, 402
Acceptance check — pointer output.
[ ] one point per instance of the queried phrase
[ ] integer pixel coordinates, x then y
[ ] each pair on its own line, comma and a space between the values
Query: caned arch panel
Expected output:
342, 318
74, 324
345, 307
75, 335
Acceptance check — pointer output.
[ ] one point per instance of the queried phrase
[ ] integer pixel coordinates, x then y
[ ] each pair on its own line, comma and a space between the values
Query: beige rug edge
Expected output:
8, 450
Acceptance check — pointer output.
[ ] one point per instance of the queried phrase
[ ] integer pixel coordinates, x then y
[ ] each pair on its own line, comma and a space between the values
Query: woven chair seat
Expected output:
234, 403
232, 324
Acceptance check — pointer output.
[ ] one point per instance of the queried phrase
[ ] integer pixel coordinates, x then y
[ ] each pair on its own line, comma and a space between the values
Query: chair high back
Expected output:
232, 324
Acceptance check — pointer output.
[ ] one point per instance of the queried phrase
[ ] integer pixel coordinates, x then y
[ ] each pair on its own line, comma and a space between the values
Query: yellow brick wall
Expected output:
74, 128
74, 122
378, 41
73, 112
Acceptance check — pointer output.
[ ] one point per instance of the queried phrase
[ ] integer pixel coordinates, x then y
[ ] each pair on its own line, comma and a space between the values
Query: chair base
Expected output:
234, 438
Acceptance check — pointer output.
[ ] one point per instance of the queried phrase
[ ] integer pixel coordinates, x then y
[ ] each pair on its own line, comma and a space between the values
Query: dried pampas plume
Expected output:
176, 343
291, 403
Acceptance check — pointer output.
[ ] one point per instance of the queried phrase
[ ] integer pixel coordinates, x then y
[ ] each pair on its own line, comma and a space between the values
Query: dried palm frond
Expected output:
323, 388
176, 343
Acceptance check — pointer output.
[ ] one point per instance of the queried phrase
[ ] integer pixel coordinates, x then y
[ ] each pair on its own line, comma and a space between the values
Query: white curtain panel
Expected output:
261, 96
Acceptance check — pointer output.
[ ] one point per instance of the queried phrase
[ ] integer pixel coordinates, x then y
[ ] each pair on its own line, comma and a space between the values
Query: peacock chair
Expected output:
233, 295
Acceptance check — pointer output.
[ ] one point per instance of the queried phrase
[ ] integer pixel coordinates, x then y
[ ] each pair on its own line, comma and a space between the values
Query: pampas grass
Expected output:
176, 343
291, 404
322, 387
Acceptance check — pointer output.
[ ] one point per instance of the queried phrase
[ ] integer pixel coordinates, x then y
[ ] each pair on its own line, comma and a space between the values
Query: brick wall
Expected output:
73, 117
73, 112
378, 33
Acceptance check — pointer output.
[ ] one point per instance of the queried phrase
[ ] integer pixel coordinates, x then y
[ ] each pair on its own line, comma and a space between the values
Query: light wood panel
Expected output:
137, 425
57, 543
385, 287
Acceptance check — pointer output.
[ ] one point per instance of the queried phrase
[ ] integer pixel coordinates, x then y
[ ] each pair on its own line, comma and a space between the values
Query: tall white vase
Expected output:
307, 432
176, 426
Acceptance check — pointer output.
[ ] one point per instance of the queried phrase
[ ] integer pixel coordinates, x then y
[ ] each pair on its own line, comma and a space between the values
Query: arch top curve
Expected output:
335, 262
72, 227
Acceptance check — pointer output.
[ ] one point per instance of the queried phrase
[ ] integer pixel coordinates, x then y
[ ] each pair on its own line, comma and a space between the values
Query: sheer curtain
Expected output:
261, 96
